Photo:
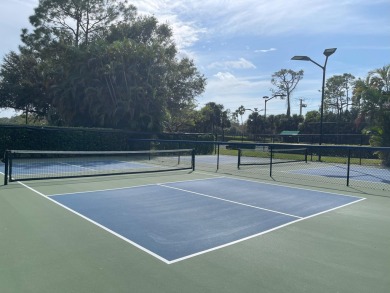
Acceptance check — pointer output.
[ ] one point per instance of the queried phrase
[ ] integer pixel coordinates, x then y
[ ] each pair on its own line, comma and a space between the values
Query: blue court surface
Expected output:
212, 159
361, 173
178, 220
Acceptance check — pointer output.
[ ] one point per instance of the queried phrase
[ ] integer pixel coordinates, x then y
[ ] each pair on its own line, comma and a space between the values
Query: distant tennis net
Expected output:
33, 165
267, 156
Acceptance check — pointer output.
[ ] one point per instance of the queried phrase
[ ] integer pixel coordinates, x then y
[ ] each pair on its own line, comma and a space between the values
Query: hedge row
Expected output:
86, 139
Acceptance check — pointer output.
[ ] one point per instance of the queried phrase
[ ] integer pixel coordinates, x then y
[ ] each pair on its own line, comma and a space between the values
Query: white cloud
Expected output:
185, 32
232, 36
232, 91
225, 76
265, 50
239, 64
189, 18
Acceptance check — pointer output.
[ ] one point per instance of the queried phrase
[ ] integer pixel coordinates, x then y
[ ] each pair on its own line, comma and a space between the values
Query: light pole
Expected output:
266, 99
327, 53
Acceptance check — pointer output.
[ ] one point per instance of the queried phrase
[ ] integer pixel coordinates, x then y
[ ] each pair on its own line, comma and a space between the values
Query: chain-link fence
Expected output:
365, 167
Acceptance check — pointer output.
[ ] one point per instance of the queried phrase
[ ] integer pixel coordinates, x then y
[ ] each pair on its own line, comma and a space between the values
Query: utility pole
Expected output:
301, 105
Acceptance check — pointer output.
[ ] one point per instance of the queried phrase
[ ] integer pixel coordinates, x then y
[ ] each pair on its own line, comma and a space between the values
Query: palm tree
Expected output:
240, 111
381, 78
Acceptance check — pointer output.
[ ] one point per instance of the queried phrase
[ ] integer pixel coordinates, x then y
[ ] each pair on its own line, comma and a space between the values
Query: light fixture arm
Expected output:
322, 67
266, 99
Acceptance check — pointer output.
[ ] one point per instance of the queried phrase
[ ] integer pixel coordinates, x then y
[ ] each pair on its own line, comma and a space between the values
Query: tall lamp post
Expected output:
266, 99
327, 53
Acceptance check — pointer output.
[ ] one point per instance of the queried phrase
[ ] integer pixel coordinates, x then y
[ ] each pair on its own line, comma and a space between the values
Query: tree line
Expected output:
351, 106
97, 63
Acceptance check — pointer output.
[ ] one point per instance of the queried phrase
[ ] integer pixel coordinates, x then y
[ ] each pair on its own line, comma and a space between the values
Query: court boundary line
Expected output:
221, 176
280, 185
358, 199
96, 223
130, 187
264, 232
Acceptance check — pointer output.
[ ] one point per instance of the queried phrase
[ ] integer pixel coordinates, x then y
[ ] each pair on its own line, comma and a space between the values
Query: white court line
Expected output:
97, 224
78, 166
261, 233
131, 187
281, 185
231, 201
298, 219
141, 247
134, 163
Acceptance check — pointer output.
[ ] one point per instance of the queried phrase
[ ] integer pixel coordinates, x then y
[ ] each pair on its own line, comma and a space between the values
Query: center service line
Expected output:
231, 201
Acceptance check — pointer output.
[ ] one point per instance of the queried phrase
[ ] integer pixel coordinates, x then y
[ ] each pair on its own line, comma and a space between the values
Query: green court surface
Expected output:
46, 248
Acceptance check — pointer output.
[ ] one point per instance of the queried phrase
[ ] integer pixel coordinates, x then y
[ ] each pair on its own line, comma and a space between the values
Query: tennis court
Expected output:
256, 163
168, 220
186, 231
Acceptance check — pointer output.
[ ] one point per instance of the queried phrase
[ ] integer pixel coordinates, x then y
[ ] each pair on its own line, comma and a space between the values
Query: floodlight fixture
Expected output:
301, 58
329, 52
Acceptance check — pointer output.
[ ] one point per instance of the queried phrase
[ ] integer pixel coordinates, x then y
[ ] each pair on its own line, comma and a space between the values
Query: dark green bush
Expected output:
16, 137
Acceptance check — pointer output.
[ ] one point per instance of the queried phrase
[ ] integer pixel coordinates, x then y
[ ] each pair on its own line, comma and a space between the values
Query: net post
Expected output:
6, 170
238, 158
270, 162
193, 159
348, 165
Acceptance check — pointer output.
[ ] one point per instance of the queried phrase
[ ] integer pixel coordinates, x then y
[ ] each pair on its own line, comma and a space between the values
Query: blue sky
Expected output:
238, 45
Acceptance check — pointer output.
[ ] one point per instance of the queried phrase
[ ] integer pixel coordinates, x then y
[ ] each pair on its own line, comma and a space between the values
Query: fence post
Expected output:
348, 166
306, 155
6, 168
193, 159
215, 139
218, 156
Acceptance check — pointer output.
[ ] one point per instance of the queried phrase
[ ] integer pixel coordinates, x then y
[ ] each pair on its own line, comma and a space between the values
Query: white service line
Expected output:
231, 201
298, 219
97, 224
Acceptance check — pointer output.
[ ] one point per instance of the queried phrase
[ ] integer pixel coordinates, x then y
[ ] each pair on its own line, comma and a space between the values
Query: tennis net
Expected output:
267, 156
33, 165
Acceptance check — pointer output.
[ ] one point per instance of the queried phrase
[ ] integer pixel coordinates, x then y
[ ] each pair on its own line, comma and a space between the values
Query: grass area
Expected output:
227, 152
